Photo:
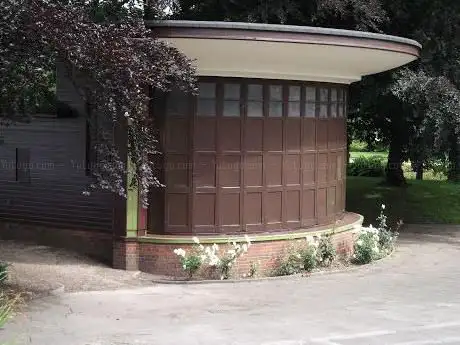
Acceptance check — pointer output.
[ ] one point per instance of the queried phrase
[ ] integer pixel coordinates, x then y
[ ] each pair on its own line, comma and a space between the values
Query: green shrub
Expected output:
291, 264
367, 247
326, 252
8, 304
3, 272
309, 258
373, 166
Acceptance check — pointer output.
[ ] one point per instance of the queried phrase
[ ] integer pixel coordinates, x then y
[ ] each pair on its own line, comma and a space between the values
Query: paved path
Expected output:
411, 299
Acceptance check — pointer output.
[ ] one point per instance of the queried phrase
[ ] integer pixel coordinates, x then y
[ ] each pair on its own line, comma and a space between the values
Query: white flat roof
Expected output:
249, 50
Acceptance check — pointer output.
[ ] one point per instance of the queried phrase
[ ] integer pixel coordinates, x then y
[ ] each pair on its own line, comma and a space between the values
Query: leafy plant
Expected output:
367, 246
190, 263
326, 253
3, 271
209, 255
373, 166
375, 243
8, 304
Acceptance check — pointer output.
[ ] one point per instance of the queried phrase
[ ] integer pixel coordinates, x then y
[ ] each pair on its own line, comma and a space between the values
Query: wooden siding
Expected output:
53, 194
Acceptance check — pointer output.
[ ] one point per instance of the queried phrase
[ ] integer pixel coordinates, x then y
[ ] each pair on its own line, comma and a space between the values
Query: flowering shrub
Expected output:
190, 263
326, 252
374, 243
304, 257
209, 256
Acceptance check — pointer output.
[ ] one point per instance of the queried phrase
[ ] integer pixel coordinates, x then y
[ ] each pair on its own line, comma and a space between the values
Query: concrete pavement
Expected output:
412, 298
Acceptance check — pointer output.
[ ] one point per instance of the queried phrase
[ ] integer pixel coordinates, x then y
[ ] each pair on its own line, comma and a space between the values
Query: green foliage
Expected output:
300, 257
191, 264
422, 202
366, 248
326, 253
371, 166
375, 243
309, 258
3, 272
292, 264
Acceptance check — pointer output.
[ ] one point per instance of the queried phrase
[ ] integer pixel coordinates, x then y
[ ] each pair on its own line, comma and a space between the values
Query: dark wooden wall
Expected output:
50, 191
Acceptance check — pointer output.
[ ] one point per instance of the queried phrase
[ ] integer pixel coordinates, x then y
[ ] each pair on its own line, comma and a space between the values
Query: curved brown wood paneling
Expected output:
252, 156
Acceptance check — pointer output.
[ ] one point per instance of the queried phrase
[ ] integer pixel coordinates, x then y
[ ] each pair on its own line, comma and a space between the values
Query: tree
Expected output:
114, 60
347, 14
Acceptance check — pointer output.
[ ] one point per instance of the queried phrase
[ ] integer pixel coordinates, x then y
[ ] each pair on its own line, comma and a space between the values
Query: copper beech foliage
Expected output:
113, 64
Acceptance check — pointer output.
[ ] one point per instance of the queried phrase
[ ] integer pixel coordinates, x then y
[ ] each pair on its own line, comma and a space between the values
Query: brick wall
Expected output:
160, 259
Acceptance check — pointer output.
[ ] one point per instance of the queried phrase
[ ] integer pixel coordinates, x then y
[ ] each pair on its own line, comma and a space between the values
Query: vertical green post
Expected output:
132, 207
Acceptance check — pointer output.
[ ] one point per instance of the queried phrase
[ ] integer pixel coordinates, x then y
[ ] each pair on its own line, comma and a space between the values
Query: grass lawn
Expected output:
427, 201
383, 155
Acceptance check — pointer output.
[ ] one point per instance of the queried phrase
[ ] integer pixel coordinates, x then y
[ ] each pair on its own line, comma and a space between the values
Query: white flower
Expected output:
196, 240
375, 250
245, 247
309, 239
234, 244
231, 251
359, 242
248, 240
215, 247
179, 252
383, 206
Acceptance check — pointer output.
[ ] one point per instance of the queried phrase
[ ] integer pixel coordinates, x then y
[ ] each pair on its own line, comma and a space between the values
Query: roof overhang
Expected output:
227, 49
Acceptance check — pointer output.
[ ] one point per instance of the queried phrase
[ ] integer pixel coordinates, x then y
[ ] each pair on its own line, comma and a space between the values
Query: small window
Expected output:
341, 103
255, 101
231, 100
294, 101
206, 105
310, 101
334, 102
276, 101
324, 102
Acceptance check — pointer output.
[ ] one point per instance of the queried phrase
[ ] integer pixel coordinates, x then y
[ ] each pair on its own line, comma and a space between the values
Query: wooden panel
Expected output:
331, 201
293, 134
321, 168
321, 132
177, 210
230, 134
293, 206
292, 170
309, 134
176, 171
309, 203
204, 170
253, 173
309, 168
57, 174
230, 209
332, 167
273, 205
205, 134
204, 209
273, 135
177, 135
253, 208
253, 138
321, 203
274, 170
229, 171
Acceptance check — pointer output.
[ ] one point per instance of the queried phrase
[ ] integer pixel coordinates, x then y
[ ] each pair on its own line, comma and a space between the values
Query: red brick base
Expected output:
160, 259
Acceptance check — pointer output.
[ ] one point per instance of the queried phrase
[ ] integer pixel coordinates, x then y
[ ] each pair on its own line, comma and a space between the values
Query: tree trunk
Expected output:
394, 172
419, 171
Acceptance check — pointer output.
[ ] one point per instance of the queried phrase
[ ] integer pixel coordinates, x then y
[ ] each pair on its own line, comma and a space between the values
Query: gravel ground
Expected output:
39, 270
